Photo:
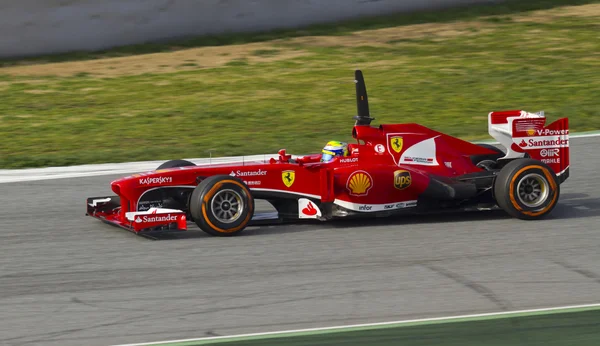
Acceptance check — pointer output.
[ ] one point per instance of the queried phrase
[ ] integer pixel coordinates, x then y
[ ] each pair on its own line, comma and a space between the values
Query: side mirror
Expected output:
283, 157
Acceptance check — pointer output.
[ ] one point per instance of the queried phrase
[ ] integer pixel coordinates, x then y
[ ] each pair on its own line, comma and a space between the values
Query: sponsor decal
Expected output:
402, 179
309, 210
379, 148
549, 152
396, 143
542, 142
414, 159
555, 160
288, 177
153, 218
239, 173
146, 205
252, 182
409, 204
157, 180
421, 153
529, 126
448, 164
359, 183
376, 207
549, 132
354, 159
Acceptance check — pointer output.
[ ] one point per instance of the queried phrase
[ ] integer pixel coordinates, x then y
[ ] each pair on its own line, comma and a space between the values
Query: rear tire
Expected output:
526, 189
175, 163
222, 205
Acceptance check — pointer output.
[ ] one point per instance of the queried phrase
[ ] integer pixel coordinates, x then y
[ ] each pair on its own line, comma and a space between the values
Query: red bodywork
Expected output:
328, 181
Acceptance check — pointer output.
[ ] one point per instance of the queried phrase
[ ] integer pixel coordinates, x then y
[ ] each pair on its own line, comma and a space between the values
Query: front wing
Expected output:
155, 220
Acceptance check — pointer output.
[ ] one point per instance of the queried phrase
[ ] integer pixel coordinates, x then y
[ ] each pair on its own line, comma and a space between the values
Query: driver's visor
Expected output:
327, 155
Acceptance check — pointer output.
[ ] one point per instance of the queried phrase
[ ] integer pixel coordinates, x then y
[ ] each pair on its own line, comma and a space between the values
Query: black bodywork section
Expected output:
363, 116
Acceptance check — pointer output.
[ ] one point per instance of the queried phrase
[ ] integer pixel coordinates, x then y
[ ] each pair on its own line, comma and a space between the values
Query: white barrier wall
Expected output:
30, 27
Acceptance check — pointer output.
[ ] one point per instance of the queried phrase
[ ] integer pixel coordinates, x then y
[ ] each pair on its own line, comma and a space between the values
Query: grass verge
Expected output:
559, 329
294, 89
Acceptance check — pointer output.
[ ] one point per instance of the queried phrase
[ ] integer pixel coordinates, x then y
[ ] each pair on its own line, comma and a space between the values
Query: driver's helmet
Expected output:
333, 149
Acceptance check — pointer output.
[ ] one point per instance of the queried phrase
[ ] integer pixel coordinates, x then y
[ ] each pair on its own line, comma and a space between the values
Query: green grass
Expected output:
557, 327
447, 81
560, 329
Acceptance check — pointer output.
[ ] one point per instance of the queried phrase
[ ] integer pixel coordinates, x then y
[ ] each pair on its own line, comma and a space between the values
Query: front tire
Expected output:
222, 205
175, 163
526, 189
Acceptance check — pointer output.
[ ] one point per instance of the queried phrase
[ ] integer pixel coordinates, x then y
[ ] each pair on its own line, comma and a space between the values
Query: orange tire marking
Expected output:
553, 186
211, 193
550, 181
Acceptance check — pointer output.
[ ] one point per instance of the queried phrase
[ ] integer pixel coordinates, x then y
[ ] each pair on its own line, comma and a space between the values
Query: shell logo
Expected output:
530, 132
359, 183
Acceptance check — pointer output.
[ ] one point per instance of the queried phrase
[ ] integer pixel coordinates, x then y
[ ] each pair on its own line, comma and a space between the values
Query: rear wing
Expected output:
523, 133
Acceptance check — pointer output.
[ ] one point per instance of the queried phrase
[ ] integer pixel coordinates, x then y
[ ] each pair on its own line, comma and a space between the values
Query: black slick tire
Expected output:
222, 205
526, 189
175, 163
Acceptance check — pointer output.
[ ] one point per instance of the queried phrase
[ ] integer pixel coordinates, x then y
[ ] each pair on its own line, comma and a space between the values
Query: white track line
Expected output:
51, 173
379, 324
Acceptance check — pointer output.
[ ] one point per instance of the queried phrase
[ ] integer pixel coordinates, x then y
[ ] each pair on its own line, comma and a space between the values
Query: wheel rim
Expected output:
227, 206
533, 190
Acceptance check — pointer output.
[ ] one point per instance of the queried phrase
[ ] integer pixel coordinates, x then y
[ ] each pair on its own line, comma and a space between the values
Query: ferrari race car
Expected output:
391, 169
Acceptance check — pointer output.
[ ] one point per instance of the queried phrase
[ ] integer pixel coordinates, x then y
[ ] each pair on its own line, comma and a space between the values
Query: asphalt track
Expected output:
68, 279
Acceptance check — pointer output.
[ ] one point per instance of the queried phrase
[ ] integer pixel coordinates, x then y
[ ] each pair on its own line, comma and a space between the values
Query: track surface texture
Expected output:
68, 279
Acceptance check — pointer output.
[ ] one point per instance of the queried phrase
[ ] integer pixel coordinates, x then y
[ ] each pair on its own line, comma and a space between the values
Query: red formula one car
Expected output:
391, 169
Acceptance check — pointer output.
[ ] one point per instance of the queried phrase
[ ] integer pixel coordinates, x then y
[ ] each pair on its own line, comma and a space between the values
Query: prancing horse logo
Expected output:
288, 177
396, 143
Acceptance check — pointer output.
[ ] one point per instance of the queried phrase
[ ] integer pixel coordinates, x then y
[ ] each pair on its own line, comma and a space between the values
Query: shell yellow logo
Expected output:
530, 132
359, 183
